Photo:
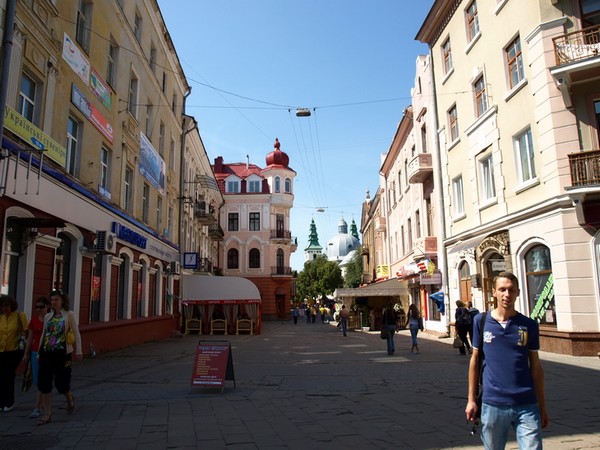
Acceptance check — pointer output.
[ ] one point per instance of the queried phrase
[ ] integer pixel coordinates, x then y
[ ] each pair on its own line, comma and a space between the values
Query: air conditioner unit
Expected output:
106, 242
175, 267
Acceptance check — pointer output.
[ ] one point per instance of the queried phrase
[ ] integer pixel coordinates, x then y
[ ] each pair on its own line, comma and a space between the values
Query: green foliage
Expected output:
354, 270
319, 277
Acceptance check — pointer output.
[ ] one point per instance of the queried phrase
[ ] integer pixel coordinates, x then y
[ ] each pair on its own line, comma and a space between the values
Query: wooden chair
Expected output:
193, 325
244, 325
218, 325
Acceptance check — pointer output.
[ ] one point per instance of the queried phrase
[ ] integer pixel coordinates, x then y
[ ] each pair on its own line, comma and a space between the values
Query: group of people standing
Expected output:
47, 342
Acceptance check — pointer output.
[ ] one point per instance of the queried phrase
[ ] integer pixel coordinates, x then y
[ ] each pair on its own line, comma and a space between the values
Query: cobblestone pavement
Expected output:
301, 386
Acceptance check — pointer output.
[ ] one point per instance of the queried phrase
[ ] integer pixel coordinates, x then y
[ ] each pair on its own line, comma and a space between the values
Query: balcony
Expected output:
281, 270
281, 236
204, 213
380, 224
426, 245
585, 168
577, 56
420, 168
215, 232
294, 244
205, 265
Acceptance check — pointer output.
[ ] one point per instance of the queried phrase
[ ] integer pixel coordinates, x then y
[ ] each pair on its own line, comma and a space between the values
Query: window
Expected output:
288, 186
403, 240
524, 156
27, 97
480, 96
540, 285
164, 83
174, 104
424, 138
128, 190
137, 27
590, 13
172, 153
133, 95
447, 56
153, 58
472, 21
486, 174
84, 22
277, 184
111, 65
254, 223
72, 146
161, 139
105, 168
169, 230
233, 187
409, 239
159, 213
233, 222
149, 121
417, 224
279, 260
453, 123
459, 200
254, 186
254, 258
514, 62
233, 259
280, 226
145, 202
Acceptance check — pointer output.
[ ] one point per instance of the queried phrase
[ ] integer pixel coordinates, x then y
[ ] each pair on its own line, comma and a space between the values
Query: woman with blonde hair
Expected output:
415, 323
59, 334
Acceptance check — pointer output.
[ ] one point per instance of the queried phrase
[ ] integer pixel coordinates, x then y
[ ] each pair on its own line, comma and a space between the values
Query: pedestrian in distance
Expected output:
13, 328
462, 319
415, 324
388, 321
295, 314
472, 312
344, 316
36, 325
59, 335
512, 377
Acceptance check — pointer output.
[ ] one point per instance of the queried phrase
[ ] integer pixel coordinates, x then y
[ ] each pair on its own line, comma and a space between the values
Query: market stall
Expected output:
220, 305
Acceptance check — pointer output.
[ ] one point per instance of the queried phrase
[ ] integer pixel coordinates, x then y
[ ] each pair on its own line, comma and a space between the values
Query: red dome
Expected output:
277, 157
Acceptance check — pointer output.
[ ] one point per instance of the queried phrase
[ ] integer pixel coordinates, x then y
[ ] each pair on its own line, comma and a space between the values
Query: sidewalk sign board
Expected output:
213, 364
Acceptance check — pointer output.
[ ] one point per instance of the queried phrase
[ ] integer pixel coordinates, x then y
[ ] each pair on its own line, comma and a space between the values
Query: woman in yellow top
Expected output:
13, 324
55, 353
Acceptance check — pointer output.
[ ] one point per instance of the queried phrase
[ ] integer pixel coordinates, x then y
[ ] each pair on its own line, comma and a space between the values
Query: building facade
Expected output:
256, 222
517, 113
89, 197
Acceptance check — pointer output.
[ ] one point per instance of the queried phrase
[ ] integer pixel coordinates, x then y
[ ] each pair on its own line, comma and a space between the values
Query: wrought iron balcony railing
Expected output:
578, 45
585, 168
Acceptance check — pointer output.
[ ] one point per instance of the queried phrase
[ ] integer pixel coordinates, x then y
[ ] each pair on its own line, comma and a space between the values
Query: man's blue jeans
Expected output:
344, 325
391, 348
496, 421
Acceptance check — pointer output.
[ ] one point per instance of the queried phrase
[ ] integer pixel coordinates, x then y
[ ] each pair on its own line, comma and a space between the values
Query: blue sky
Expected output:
251, 64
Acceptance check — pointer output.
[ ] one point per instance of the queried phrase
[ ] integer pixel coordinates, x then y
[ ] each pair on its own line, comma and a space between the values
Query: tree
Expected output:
354, 270
319, 277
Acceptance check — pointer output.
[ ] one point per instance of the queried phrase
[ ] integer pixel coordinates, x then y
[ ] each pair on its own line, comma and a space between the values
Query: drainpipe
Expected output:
440, 216
7, 46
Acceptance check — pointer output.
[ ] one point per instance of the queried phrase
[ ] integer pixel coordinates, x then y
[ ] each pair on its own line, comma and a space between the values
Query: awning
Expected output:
388, 288
465, 245
218, 290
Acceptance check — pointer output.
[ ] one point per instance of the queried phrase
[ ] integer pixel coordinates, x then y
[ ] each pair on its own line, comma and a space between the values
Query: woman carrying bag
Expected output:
59, 334
13, 328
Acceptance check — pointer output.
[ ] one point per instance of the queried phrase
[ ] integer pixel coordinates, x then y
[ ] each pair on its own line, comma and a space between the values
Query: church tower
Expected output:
314, 249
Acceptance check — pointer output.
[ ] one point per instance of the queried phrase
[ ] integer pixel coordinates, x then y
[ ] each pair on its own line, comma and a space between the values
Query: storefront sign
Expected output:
100, 88
152, 166
498, 266
434, 278
128, 235
383, 272
76, 60
27, 131
92, 113
213, 364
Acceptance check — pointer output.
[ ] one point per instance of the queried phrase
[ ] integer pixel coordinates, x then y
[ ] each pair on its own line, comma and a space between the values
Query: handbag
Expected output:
385, 333
71, 333
458, 343
27, 377
22, 344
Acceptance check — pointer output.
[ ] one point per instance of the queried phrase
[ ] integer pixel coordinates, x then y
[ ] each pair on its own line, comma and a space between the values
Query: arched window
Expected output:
277, 184
233, 259
279, 261
288, 186
254, 258
540, 285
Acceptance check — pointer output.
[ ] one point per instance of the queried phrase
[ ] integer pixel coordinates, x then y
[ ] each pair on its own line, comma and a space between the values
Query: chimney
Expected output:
219, 164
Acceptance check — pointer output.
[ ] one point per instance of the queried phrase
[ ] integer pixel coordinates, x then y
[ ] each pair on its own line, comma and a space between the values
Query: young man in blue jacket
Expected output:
513, 379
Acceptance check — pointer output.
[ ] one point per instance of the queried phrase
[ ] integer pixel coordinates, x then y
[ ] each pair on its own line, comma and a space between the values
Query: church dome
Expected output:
342, 243
277, 157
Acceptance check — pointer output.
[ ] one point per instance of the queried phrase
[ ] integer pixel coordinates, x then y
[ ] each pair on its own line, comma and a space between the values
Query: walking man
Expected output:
513, 379
344, 315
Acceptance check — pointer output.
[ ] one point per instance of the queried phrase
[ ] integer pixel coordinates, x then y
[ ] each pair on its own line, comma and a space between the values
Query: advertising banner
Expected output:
152, 166
76, 60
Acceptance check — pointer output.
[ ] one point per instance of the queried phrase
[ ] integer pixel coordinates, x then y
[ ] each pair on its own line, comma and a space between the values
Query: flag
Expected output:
438, 298
430, 267
422, 265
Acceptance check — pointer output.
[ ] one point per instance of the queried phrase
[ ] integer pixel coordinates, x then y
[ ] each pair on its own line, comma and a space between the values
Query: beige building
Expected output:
517, 97
90, 186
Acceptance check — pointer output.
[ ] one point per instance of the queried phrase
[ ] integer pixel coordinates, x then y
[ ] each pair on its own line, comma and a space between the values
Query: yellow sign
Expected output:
382, 271
27, 131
